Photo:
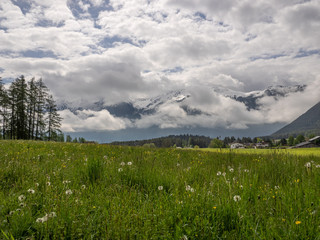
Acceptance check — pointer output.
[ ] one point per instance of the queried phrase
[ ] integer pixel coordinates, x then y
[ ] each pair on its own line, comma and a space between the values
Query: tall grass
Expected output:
77, 191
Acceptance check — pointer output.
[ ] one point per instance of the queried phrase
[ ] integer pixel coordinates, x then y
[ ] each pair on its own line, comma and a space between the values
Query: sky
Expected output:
123, 50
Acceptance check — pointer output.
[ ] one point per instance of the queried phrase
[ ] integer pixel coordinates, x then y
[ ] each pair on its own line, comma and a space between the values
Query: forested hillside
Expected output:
28, 111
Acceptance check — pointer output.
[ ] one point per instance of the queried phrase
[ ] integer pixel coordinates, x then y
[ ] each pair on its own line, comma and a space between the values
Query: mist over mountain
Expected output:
217, 111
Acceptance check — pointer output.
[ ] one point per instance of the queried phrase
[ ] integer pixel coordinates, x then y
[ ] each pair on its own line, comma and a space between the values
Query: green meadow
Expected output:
78, 191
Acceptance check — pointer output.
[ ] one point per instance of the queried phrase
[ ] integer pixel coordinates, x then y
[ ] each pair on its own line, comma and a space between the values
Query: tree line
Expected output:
28, 111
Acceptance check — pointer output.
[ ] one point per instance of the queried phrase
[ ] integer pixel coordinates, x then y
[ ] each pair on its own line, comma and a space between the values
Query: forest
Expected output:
28, 111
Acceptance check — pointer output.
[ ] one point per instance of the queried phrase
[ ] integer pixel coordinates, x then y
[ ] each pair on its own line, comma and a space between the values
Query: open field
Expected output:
78, 191
293, 151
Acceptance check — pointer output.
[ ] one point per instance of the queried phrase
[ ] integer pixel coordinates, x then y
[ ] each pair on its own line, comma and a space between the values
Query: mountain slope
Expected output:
309, 122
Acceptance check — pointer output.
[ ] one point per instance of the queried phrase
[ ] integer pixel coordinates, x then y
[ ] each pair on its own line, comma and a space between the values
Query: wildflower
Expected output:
188, 188
43, 219
160, 188
21, 198
241, 186
318, 166
308, 165
48, 183
218, 173
37, 184
83, 186
236, 198
105, 157
52, 214
120, 170
129, 163
214, 207
231, 169
66, 182
192, 190
246, 170
283, 220
224, 174
31, 191
122, 163
22, 204
276, 187
298, 222
68, 192
178, 164
11, 213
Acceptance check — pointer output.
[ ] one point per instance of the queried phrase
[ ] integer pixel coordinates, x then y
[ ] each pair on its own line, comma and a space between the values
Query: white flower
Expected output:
52, 214
218, 173
37, 184
318, 166
188, 188
236, 198
192, 190
308, 165
31, 191
105, 157
43, 219
48, 183
68, 192
246, 170
129, 163
178, 164
21, 198
22, 204
276, 187
122, 163
120, 170
241, 186
66, 182
224, 174
83, 186
231, 169
160, 188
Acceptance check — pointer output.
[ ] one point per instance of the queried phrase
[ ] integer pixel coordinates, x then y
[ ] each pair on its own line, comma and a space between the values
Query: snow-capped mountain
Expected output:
135, 109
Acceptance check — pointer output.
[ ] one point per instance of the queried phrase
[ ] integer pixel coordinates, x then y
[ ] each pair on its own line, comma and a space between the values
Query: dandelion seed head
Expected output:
83, 187
122, 163
231, 169
188, 188
129, 163
69, 192
21, 198
308, 165
218, 173
31, 191
236, 198
160, 188
120, 170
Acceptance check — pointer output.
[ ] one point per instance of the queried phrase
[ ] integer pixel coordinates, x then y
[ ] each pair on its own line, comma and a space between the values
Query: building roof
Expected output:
314, 139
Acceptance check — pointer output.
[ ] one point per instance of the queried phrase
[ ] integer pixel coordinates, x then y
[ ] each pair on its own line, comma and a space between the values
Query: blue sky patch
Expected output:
38, 54
25, 6
306, 53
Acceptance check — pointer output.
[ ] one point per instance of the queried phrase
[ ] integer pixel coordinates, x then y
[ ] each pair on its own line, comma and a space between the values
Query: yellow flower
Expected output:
298, 222
283, 220
214, 207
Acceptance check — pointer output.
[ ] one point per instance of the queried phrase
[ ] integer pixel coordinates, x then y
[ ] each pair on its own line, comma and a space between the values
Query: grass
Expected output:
78, 191
293, 151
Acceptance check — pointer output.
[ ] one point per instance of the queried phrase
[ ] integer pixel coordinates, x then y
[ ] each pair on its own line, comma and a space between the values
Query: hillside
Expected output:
307, 123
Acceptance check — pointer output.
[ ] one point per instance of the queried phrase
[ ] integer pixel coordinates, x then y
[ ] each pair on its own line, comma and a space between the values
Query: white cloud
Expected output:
143, 48
88, 120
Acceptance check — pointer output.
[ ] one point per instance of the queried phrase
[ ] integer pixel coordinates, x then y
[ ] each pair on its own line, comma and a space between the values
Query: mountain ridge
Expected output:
307, 123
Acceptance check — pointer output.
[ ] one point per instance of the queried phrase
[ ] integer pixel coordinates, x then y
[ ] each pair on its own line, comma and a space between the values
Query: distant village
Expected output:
299, 142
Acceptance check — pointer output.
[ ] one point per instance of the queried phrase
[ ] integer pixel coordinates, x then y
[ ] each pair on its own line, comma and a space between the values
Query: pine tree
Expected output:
53, 119
4, 105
